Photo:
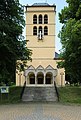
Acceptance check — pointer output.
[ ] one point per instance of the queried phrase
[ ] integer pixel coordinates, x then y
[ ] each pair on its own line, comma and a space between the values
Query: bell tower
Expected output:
40, 31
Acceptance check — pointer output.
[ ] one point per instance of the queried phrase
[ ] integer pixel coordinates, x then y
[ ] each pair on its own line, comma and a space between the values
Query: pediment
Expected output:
31, 67
49, 67
40, 68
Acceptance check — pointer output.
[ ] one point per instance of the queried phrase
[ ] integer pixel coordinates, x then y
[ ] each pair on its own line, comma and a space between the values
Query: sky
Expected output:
59, 5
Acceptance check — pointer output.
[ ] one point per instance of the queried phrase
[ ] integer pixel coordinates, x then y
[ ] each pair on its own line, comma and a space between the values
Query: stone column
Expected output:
53, 80
20, 78
44, 79
35, 79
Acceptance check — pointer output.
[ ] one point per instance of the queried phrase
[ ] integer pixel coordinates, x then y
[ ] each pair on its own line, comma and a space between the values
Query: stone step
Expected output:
39, 94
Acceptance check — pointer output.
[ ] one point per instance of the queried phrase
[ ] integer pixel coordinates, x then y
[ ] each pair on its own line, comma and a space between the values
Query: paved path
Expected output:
40, 111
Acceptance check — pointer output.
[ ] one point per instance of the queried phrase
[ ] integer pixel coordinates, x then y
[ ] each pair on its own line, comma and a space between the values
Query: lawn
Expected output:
67, 95
70, 94
12, 97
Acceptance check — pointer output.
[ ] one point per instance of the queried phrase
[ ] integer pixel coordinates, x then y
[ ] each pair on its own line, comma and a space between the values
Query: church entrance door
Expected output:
31, 78
40, 78
49, 77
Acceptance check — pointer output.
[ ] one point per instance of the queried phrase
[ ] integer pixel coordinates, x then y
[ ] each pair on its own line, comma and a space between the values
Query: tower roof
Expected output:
40, 4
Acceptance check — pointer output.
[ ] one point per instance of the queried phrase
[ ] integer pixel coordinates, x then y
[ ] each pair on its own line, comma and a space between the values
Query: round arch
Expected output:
40, 78
45, 19
31, 78
34, 19
34, 30
49, 78
40, 19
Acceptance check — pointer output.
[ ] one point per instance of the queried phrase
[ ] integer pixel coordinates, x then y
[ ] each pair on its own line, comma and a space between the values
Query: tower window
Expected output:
45, 19
40, 19
45, 30
40, 29
40, 35
35, 19
34, 30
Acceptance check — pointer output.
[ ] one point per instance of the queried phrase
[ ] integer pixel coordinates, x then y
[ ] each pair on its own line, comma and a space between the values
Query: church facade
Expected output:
40, 34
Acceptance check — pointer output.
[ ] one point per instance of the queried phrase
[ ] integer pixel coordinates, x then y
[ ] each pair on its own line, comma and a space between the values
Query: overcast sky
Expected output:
59, 5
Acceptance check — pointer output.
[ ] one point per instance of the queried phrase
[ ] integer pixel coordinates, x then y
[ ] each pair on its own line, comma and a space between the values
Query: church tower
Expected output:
40, 34
40, 31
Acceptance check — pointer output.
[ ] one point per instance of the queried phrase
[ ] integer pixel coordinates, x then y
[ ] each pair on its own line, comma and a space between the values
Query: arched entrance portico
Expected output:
49, 78
40, 78
31, 78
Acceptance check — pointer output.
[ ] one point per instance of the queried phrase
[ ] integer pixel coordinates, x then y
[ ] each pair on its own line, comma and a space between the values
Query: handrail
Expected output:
23, 90
56, 90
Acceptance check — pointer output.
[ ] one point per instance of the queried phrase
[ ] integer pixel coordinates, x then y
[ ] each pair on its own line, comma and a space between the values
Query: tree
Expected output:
12, 45
73, 10
70, 36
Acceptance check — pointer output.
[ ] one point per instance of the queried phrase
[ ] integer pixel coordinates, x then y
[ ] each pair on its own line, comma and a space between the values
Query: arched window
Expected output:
45, 19
40, 19
45, 30
34, 19
40, 35
40, 29
34, 30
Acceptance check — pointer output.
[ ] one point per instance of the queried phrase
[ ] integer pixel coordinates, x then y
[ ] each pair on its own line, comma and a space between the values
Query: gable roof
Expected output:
56, 55
31, 67
40, 67
49, 67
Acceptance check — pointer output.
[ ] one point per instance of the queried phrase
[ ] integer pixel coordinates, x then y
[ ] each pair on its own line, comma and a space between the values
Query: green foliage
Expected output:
73, 10
70, 95
12, 97
70, 36
12, 43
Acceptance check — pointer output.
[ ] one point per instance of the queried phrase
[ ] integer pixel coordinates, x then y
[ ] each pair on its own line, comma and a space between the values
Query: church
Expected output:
40, 34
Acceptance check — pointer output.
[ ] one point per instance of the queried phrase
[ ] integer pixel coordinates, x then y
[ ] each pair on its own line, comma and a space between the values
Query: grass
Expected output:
12, 97
70, 94
67, 95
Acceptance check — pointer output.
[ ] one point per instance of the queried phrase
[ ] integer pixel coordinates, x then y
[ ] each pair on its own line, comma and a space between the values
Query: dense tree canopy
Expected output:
73, 10
70, 36
12, 43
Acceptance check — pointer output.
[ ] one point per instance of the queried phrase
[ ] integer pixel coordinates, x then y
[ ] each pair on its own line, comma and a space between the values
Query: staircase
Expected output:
39, 94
